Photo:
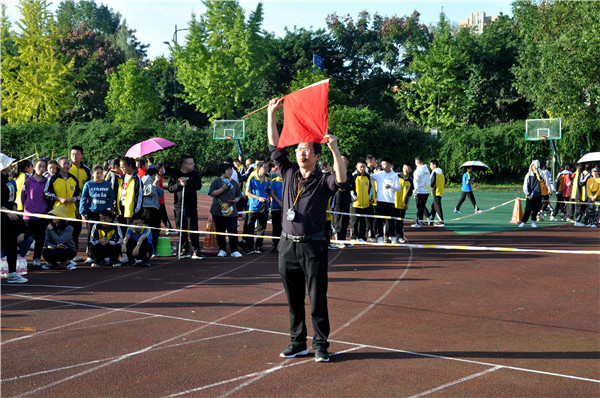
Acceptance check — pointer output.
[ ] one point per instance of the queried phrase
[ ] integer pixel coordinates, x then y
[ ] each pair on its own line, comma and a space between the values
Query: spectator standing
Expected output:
532, 188
362, 194
402, 198
386, 184
7, 224
150, 203
341, 204
34, 201
257, 192
83, 174
225, 193
422, 181
276, 192
438, 182
189, 178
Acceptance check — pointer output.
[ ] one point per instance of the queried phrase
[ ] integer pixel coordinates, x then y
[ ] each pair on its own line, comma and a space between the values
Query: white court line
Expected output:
112, 310
351, 321
27, 285
452, 383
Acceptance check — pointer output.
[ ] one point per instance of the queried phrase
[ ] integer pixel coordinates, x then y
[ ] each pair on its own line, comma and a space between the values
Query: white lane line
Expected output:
452, 383
354, 319
28, 285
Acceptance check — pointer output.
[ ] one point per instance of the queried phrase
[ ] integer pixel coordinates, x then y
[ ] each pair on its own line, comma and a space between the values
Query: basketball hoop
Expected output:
228, 137
543, 137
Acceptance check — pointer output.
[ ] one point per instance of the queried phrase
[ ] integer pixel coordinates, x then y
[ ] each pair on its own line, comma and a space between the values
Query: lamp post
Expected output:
174, 69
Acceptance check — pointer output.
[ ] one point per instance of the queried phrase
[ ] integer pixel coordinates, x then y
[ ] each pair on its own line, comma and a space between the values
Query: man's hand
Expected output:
136, 251
183, 181
20, 238
332, 141
275, 104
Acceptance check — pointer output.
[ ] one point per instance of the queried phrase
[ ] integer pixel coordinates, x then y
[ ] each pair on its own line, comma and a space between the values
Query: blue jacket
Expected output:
97, 197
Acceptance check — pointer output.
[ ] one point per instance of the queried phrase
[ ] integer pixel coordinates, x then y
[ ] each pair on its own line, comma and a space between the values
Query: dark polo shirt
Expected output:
315, 192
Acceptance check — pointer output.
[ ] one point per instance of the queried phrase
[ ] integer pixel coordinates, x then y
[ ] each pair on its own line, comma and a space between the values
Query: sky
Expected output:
155, 20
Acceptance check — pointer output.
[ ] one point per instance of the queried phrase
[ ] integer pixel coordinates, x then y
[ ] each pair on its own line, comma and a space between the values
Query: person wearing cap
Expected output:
9, 234
303, 247
59, 247
105, 241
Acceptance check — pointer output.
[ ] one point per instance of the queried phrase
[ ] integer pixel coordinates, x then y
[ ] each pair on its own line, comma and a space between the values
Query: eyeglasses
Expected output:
304, 150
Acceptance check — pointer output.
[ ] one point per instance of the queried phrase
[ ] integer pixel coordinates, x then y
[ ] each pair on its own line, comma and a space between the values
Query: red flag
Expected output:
305, 115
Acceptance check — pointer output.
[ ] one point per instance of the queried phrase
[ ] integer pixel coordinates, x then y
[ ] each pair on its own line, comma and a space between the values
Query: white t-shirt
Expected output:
382, 179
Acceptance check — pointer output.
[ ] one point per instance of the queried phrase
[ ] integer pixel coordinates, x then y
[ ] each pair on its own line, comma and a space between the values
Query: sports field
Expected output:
406, 321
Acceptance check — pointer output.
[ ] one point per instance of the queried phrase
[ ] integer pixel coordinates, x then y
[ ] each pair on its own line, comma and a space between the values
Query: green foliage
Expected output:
436, 98
223, 60
37, 81
558, 61
131, 97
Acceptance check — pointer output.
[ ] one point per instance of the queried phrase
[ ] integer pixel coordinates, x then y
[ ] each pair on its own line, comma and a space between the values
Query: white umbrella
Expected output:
590, 157
476, 165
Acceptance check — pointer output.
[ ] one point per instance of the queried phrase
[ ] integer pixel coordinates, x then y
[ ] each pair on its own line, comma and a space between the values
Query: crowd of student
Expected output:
131, 192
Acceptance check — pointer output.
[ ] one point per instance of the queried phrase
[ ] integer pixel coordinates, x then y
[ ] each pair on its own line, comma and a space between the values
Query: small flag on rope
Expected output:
305, 115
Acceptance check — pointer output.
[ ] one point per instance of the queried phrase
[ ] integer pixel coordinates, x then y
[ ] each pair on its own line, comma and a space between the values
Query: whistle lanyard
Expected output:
300, 189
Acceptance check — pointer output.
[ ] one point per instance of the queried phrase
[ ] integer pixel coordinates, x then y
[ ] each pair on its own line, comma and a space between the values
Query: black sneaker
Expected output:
294, 350
321, 354
259, 250
198, 255
247, 252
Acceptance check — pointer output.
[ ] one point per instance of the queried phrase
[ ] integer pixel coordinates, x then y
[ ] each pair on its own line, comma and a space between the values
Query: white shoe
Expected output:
457, 211
593, 226
88, 261
236, 254
37, 262
380, 241
341, 245
521, 225
579, 224
14, 278
124, 259
552, 218
71, 266
478, 211
416, 225
332, 247
430, 221
222, 253
402, 239
394, 240
171, 232
533, 225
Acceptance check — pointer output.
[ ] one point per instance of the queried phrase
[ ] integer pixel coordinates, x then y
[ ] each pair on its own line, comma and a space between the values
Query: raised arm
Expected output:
338, 164
274, 105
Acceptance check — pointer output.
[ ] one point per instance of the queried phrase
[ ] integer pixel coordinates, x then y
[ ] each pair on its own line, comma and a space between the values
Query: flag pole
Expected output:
181, 223
253, 112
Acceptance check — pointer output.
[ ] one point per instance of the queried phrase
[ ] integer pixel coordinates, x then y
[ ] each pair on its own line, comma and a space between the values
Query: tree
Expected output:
95, 58
558, 64
436, 97
223, 61
490, 86
37, 82
103, 21
131, 97
374, 52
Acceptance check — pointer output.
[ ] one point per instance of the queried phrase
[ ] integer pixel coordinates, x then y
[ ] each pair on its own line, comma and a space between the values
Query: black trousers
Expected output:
38, 226
55, 256
276, 225
386, 228
9, 242
400, 213
436, 208
341, 221
226, 224
422, 206
358, 225
303, 265
190, 222
144, 253
251, 220
463, 196
164, 217
559, 206
151, 218
100, 252
532, 207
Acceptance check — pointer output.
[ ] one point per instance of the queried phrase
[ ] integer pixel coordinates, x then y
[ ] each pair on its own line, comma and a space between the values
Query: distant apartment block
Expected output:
477, 20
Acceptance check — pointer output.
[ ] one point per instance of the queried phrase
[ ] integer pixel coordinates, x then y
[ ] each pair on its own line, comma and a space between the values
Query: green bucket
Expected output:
163, 247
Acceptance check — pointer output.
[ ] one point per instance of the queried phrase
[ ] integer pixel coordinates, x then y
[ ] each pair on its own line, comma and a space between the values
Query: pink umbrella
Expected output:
146, 147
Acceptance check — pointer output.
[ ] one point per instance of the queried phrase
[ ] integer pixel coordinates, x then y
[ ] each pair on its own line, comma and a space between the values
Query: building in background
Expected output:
477, 20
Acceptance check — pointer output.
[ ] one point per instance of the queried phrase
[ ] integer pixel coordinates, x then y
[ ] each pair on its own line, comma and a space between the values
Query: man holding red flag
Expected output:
303, 245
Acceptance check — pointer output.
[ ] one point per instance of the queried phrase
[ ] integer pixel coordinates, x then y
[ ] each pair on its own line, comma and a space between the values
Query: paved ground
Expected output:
405, 322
